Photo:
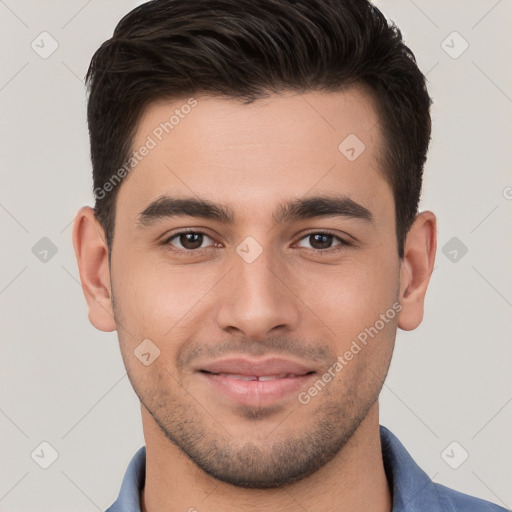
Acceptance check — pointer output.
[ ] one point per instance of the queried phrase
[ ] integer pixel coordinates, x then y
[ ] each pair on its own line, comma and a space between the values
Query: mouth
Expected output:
255, 383
260, 378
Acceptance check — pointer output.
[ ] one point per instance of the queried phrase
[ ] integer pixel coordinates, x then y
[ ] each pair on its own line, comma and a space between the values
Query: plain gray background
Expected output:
63, 383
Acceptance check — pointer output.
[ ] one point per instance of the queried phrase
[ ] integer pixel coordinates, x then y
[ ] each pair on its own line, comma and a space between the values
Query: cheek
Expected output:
153, 296
352, 297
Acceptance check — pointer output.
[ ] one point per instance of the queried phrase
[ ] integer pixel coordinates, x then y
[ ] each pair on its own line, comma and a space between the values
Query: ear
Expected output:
416, 269
91, 252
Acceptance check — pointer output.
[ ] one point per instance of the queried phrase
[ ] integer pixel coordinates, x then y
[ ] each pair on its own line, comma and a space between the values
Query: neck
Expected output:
353, 480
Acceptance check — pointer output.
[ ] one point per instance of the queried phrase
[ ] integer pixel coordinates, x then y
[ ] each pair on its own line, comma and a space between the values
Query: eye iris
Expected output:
323, 240
191, 240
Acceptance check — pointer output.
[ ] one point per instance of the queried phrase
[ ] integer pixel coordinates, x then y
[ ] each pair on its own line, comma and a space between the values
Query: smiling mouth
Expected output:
263, 382
249, 390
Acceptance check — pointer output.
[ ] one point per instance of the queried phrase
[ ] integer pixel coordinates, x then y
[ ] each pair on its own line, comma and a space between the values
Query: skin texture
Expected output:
205, 450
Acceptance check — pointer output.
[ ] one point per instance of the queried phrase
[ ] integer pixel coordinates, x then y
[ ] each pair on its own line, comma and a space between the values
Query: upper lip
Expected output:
258, 368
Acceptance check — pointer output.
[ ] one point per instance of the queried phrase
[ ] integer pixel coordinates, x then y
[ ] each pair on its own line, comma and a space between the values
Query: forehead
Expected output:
250, 155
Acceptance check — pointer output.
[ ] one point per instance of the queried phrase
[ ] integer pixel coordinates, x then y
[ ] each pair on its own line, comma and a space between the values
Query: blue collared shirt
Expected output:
412, 489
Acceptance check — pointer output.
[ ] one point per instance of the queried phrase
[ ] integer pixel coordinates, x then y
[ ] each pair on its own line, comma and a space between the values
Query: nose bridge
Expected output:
257, 298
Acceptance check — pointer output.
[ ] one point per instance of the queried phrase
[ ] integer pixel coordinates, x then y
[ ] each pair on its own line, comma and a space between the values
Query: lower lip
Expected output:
255, 392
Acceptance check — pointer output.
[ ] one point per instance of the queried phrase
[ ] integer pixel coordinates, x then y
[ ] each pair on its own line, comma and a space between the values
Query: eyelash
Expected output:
197, 252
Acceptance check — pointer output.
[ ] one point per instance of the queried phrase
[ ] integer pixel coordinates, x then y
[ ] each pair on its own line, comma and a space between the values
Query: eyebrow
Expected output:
166, 207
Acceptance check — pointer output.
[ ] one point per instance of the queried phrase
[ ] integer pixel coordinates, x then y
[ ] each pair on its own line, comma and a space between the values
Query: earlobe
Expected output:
92, 257
416, 269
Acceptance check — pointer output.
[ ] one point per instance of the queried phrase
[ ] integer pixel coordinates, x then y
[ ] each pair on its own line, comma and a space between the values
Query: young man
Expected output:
256, 244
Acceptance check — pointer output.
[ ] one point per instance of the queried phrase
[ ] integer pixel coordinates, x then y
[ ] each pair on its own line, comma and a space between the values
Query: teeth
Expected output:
262, 378
239, 377
273, 377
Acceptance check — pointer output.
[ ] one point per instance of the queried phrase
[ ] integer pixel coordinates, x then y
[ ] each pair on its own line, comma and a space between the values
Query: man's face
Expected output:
249, 314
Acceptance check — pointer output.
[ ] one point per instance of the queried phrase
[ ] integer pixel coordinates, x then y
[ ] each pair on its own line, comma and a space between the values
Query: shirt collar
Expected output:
133, 483
411, 488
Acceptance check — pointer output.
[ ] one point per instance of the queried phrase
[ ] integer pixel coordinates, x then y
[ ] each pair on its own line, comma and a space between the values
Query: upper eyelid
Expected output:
200, 231
328, 233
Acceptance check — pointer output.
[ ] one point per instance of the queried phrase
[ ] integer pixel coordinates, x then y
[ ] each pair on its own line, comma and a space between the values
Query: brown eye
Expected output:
321, 241
189, 240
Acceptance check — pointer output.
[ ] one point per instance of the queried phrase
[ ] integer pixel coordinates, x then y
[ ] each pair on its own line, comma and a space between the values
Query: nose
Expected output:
257, 299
